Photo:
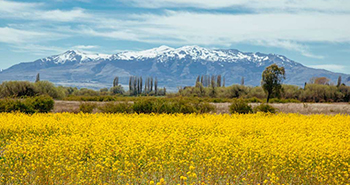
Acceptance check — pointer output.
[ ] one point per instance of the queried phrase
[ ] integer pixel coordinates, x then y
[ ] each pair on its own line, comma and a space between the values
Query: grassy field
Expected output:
302, 108
174, 149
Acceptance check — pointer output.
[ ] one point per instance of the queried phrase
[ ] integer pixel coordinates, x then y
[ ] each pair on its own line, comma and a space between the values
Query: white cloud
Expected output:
318, 5
285, 30
16, 7
35, 11
15, 36
289, 45
85, 47
288, 30
281, 26
330, 67
115, 34
64, 16
36, 49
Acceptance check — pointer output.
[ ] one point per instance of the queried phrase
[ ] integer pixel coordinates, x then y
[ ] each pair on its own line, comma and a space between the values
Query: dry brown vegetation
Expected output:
302, 108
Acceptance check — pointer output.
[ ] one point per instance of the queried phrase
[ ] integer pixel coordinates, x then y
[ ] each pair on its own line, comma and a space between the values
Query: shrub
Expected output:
144, 106
18, 89
87, 107
162, 106
85, 92
48, 88
117, 90
183, 107
240, 106
254, 100
15, 105
265, 108
39, 104
205, 107
111, 107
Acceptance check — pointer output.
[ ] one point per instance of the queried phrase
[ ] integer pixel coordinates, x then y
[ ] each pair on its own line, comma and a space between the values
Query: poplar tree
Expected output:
37, 77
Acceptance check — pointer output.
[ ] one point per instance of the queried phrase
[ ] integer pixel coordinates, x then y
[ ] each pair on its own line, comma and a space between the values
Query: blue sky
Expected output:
315, 33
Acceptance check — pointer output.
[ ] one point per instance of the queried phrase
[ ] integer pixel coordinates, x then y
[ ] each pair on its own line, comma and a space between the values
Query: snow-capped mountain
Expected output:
196, 53
75, 56
172, 66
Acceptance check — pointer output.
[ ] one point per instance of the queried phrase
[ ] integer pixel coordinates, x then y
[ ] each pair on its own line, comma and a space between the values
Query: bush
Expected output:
162, 106
15, 105
117, 90
144, 106
39, 104
182, 107
48, 88
204, 107
265, 108
240, 106
111, 107
85, 92
17, 89
254, 100
87, 107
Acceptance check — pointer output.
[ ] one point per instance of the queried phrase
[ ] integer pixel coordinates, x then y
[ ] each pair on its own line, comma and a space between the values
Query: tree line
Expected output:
318, 89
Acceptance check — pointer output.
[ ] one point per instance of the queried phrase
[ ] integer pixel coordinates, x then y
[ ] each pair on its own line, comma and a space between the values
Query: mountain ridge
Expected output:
173, 66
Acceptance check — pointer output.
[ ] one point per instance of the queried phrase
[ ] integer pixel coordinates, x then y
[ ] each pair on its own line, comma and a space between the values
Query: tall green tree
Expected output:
37, 77
242, 81
271, 81
339, 81
116, 81
218, 83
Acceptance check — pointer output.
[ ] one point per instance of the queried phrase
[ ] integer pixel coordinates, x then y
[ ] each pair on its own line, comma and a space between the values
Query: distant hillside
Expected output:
172, 67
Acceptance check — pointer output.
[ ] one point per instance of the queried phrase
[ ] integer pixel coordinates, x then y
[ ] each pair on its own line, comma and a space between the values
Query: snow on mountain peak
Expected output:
150, 53
76, 56
165, 53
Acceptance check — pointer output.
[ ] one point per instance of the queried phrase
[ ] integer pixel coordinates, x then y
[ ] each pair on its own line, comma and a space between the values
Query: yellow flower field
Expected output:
174, 149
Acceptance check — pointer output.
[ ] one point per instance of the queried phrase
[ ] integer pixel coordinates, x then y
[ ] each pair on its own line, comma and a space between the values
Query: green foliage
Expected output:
345, 92
39, 104
85, 92
256, 92
15, 105
321, 93
271, 80
234, 91
171, 107
291, 92
87, 107
117, 90
92, 98
48, 88
240, 106
144, 106
253, 100
112, 107
204, 107
104, 92
17, 89
265, 108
